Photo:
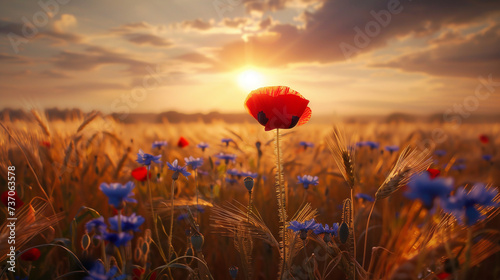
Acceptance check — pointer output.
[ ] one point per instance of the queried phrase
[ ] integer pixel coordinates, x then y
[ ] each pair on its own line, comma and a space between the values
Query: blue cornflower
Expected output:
231, 181
248, 174
487, 157
118, 193
159, 144
98, 272
96, 225
194, 162
364, 196
118, 239
372, 145
392, 149
458, 167
304, 227
203, 146
426, 189
146, 159
464, 204
307, 180
177, 169
326, 229
226, 141
182, 217
306, 144
132, 222
440, 153
233, 172
226, 157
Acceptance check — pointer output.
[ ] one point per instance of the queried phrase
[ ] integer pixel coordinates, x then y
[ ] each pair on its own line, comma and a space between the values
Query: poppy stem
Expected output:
280, 189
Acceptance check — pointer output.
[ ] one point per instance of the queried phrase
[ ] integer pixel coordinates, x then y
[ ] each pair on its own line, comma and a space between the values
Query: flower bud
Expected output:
249, 182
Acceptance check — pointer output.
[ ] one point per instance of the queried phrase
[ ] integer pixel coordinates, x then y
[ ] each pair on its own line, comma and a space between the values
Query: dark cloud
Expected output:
142, 39
470, 56
94, 57
235, 22
198, 24
27, 32
195, 57
8, 58
54, 74
341, 29
83, 87
265, 23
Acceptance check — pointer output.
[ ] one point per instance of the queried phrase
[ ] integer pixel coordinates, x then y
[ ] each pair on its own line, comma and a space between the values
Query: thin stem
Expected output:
104, 257
171, 218
353, 233
154, 217
468, 251
250, 202
366, 232
197, 197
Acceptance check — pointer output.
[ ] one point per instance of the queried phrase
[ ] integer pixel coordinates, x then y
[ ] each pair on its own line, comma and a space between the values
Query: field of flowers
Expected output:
100, 199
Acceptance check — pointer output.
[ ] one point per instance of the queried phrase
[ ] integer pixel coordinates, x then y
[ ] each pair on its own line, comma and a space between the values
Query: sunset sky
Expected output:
346, 56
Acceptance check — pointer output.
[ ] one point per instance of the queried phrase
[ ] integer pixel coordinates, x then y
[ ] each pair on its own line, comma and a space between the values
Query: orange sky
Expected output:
346, 57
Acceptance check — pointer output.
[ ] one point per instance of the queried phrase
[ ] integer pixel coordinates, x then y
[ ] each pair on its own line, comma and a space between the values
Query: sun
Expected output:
250, 80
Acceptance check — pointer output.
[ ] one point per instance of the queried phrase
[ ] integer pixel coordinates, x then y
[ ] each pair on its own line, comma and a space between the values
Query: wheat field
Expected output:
60, 165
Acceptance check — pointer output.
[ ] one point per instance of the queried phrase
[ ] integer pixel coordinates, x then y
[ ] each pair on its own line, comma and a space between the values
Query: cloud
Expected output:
54, 74
94, 57
198, 24
8, 58
52, 32
343, 29
142, 39
234, 22
195, 57
66, 22
460, 56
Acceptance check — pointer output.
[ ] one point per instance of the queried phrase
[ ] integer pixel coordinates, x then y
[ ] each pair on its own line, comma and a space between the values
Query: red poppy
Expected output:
46, 144
433, 172
484, 139
443, 275
182, 142
141, 173
278, 107
6, 200
137, 273
31, 255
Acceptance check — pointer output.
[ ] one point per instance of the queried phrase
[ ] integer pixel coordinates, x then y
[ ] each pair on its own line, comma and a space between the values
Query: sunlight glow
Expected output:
250, 80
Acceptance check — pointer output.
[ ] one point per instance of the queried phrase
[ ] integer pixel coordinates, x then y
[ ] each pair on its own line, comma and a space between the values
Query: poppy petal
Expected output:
306, 116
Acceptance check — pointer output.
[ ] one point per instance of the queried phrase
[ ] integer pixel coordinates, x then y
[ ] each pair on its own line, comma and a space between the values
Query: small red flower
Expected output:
141, 174
137, 273
182, 142
31, 255
484, 139
46, 144
278, 107
443, 275
17, 200
433, 172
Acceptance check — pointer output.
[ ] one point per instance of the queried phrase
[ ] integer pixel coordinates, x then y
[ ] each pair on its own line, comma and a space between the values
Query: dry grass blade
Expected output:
410, 162
41, 122
343, 155
87, 120
30, 222
229, 219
